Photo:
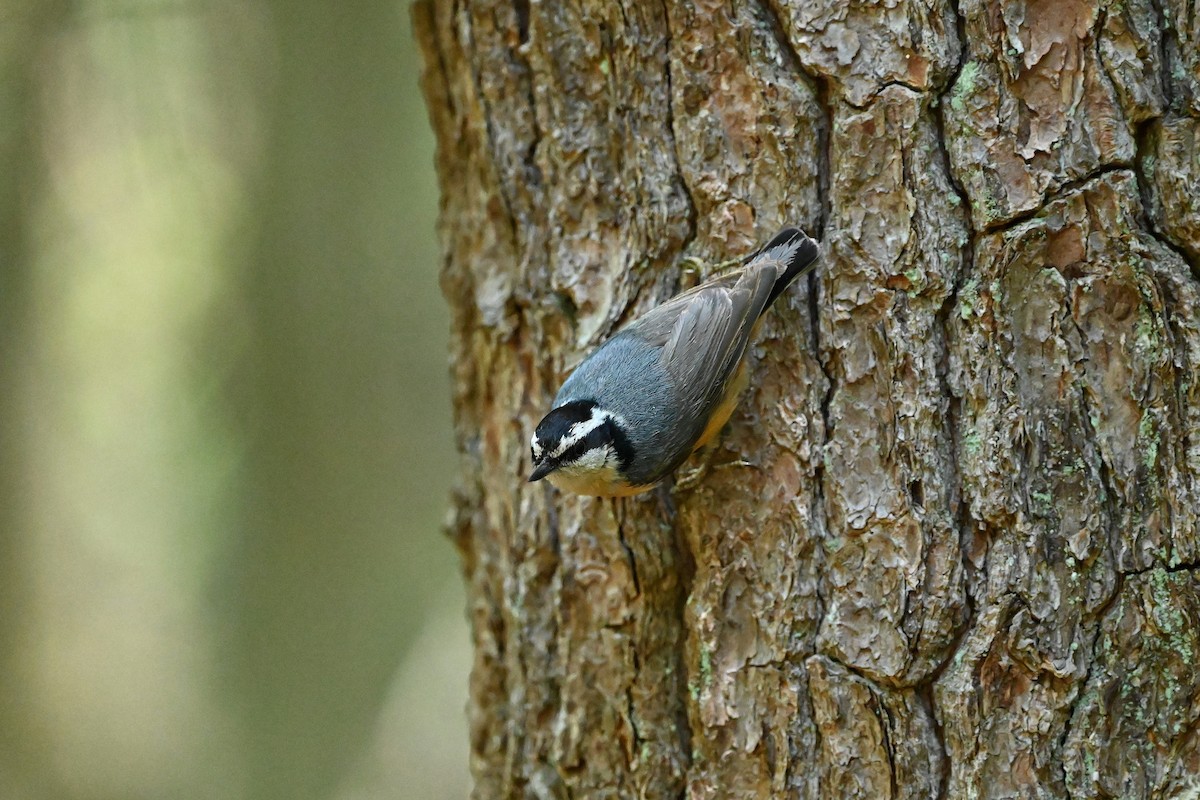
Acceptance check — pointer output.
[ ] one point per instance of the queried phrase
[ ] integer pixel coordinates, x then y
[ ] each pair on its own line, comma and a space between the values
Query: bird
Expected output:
664, 385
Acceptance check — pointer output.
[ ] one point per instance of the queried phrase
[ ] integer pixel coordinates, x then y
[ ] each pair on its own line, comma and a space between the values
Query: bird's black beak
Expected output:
541, 470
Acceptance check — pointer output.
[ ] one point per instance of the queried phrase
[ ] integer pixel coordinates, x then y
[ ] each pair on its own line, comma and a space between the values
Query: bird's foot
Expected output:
697, 269
690, 479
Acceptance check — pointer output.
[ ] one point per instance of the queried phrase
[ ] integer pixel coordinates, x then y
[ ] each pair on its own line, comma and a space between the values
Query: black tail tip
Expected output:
803, 249
796, 250
783, 237
808, 251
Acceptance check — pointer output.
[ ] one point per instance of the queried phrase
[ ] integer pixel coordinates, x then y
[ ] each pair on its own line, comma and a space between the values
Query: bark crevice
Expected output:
669, 68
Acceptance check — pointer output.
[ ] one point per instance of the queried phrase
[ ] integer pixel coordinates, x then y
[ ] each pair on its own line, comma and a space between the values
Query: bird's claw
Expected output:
694, 265
692, 477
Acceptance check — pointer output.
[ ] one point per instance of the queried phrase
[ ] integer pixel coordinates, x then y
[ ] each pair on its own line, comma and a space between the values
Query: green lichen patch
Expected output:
968, 299
1143, 691
964, 86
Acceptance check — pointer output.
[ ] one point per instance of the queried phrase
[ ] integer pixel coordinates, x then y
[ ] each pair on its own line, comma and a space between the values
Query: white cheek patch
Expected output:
598, 459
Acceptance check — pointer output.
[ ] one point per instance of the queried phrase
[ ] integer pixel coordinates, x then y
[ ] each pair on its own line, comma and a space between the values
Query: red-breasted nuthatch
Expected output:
665, 384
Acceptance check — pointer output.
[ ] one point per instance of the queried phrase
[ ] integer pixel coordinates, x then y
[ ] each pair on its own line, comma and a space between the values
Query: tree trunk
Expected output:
962, 557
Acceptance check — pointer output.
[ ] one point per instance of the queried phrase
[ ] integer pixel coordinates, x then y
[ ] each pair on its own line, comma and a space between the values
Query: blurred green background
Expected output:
225, 443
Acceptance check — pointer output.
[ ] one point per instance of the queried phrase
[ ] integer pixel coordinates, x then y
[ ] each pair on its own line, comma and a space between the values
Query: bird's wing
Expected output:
704, 333
789, 255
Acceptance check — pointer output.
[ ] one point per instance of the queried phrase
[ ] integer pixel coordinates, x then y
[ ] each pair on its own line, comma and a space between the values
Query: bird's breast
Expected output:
603, 482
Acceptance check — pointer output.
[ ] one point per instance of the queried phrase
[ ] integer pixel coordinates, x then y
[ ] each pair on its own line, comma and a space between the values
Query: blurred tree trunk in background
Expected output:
964, 559
224, 440
326, 587
22, 37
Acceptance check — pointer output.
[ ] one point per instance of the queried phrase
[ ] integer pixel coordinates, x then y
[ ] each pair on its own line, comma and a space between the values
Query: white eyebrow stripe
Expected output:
578, 432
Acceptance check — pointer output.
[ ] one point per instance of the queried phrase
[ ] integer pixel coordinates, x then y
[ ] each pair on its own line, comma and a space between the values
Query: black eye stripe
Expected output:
608, 433
597, 437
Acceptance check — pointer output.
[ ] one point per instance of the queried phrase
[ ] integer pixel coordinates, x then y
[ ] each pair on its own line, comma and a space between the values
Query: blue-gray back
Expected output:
625, 375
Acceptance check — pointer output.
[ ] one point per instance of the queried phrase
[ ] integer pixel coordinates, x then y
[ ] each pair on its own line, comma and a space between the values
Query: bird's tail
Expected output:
795, 251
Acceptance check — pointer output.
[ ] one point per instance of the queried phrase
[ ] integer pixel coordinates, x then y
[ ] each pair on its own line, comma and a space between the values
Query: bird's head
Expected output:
581, 448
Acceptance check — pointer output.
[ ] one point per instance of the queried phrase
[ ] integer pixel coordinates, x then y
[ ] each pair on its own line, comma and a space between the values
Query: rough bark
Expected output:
949, 546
